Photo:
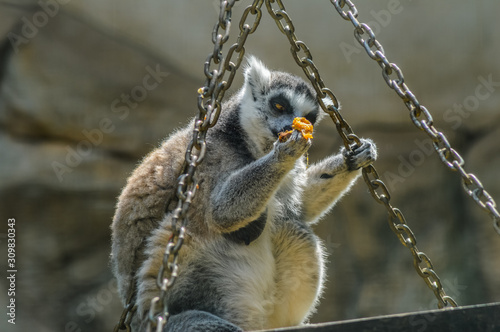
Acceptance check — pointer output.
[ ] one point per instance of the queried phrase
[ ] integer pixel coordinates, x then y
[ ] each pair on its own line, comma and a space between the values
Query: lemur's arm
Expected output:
330, 178
243, 195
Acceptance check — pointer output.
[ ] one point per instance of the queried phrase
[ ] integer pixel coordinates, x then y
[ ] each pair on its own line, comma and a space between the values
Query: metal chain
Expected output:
398, 225
419, 114
421, 261
128, 311
209, 105
303, 58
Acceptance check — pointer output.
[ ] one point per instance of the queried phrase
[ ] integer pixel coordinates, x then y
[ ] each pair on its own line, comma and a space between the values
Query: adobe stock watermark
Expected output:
455, 117
216, 4
120, 106
471, 103
421, 323
330, 246
381, 19
93, 305
31, 24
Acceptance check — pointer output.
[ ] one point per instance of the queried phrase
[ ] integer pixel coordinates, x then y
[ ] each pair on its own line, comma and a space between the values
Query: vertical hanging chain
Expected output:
419, 114
378, 189
209, 105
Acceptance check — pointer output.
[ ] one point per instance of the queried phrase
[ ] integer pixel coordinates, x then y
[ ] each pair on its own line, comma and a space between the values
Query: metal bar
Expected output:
475, 318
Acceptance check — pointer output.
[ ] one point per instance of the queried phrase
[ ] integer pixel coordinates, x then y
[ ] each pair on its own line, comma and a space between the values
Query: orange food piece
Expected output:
301, 124
304, 126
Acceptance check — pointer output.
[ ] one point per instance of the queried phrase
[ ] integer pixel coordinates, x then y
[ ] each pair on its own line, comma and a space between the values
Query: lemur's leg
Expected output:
199, 321
243, 195
332, 177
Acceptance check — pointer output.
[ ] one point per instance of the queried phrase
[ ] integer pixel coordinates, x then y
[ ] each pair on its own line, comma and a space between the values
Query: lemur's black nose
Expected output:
286, 128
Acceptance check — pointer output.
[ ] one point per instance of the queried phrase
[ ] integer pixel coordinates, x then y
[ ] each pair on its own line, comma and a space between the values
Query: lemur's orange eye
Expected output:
279, 107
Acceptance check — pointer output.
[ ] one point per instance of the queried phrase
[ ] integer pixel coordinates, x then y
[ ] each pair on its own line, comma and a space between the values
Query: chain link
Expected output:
128, 311
419, 114
377, 187
398, 225
219, 72
394, 78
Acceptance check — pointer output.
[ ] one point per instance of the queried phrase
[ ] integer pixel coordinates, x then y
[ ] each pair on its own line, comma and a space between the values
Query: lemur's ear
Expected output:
257, 76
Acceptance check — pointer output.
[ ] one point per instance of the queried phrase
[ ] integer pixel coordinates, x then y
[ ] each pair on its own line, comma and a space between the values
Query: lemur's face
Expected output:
271, 100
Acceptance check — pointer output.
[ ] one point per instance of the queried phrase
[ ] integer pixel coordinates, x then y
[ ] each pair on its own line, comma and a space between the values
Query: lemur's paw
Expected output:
361, 156
295, 146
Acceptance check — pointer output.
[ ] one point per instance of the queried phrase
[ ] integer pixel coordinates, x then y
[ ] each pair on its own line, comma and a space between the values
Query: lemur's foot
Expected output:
361, 156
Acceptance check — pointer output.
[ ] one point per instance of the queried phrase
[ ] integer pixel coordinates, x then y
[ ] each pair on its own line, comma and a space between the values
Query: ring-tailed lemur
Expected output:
250, 259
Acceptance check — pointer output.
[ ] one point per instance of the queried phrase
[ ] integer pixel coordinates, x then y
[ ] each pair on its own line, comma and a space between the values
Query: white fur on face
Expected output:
258, 120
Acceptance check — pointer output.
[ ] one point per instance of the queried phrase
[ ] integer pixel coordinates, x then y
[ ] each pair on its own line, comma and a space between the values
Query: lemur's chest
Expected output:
272, 279
282, 276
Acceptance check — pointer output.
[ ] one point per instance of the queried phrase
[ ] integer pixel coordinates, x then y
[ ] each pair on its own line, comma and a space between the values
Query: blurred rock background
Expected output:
89, 87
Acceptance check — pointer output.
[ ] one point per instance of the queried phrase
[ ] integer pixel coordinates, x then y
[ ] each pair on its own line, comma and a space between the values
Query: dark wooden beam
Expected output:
476, 318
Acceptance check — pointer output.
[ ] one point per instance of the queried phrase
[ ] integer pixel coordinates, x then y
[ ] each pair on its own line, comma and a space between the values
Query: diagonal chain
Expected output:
303, 58
419, 114
398, 225
378, 189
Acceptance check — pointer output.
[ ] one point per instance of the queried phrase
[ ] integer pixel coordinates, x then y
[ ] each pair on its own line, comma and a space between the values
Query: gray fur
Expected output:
250, 259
